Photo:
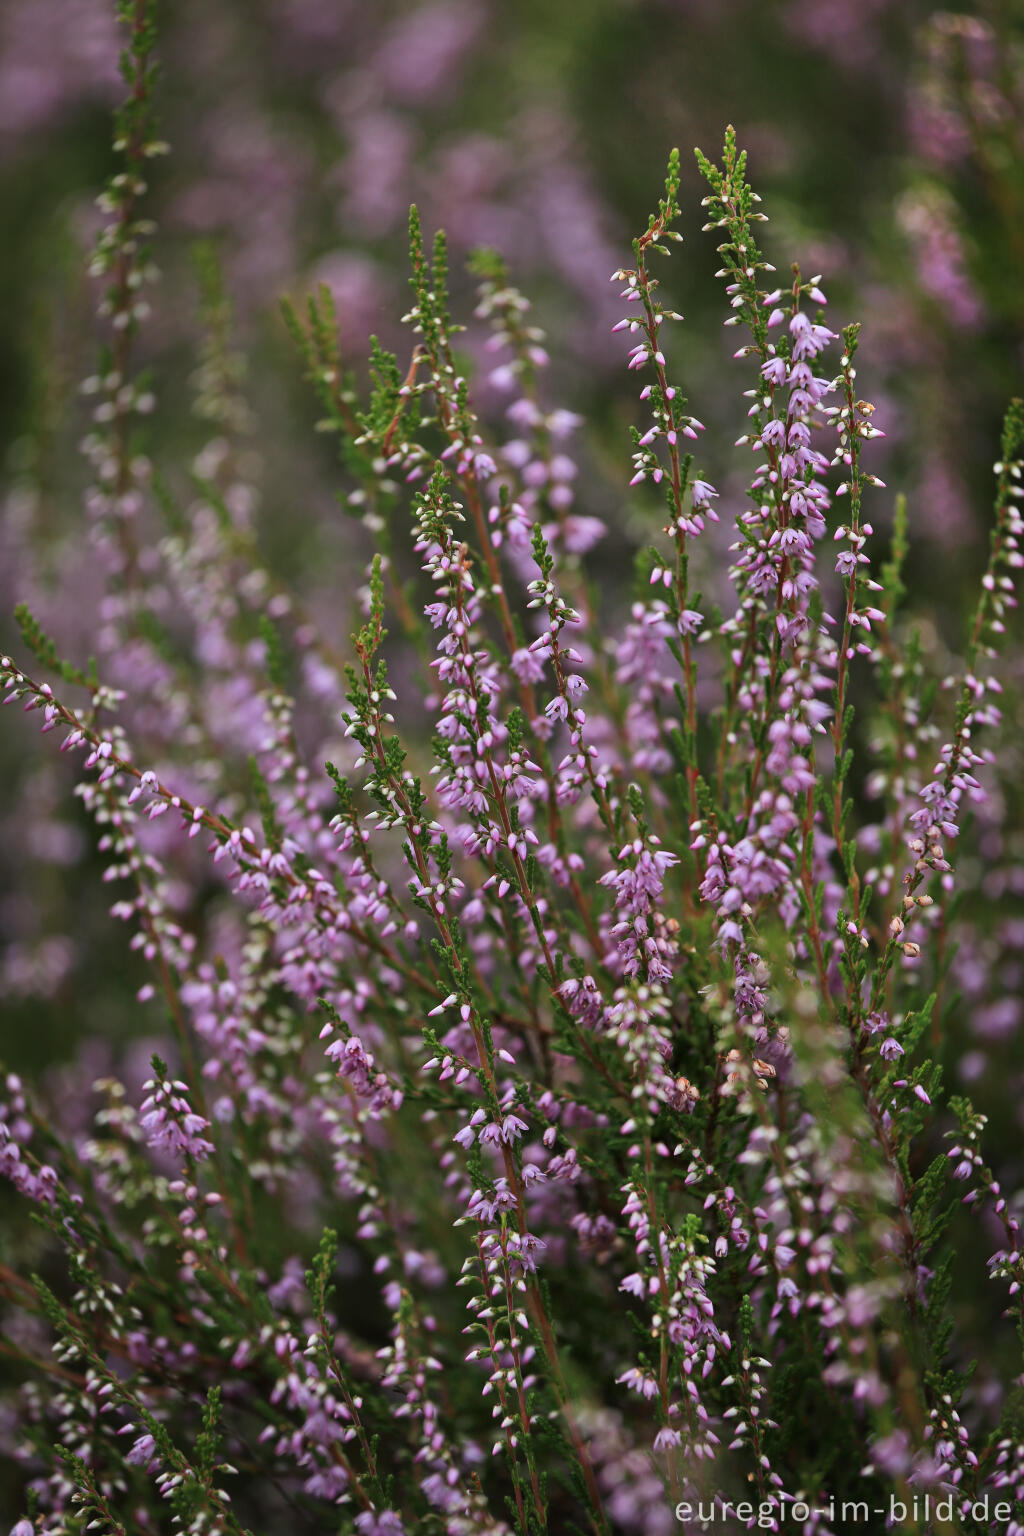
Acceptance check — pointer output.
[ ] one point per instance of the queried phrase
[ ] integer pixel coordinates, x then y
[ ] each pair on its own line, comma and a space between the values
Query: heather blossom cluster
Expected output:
547, 1130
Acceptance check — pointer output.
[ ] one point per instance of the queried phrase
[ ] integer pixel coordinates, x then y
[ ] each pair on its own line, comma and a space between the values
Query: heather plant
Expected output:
547, 1130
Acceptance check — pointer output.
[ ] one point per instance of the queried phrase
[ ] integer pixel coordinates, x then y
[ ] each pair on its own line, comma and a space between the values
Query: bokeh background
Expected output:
886, 138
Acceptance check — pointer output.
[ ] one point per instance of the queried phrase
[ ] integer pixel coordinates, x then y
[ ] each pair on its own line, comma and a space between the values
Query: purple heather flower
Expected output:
143, 1451
372, 1522
169, 1124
